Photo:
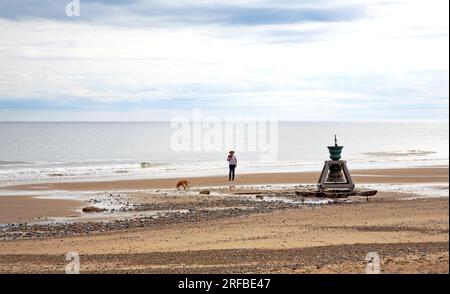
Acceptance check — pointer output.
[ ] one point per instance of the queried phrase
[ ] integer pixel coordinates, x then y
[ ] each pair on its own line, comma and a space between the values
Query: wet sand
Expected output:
25, 208
366, 176
15, 209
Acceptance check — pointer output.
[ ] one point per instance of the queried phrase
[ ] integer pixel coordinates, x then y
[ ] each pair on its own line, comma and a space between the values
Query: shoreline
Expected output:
360, 176
17, 205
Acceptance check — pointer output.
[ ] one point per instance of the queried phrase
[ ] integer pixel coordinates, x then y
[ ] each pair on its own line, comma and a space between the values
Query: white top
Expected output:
232, 160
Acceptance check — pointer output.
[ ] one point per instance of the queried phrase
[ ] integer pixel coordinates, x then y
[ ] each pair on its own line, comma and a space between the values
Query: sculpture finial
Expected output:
335, 141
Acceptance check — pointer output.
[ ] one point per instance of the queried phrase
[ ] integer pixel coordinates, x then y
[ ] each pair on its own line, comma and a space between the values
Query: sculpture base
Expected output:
335, 175
336, 193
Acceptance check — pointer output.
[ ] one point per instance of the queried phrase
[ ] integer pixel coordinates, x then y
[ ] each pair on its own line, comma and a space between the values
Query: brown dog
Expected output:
183, 183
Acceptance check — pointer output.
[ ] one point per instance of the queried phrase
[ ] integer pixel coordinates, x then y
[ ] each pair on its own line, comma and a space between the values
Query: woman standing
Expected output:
232, 163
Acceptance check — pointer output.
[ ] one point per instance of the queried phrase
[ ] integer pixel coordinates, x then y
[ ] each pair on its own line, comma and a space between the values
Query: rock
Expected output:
145, 164
55, 175
259, 197
206, 192
89, 209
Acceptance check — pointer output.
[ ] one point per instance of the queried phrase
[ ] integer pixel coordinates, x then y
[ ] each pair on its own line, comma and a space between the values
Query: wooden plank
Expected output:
336, 194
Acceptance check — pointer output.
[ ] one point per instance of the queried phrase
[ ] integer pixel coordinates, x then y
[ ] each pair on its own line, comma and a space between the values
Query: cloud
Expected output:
164, 13
299, 60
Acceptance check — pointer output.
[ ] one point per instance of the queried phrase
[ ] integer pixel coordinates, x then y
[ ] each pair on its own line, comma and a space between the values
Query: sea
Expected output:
39, 152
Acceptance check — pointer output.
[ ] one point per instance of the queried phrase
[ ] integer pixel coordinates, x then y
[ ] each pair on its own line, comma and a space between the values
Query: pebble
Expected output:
203, 210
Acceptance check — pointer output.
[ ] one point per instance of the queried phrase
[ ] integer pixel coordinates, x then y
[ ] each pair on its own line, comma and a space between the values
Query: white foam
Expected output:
416, 190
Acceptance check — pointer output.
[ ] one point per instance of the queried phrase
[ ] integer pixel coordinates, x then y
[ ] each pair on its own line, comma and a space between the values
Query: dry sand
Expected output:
411, 236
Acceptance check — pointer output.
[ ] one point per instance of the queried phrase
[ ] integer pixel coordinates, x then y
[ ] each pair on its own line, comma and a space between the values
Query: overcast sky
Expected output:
295, 60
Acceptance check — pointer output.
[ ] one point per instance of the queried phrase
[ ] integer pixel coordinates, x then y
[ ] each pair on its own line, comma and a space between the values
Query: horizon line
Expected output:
168, 121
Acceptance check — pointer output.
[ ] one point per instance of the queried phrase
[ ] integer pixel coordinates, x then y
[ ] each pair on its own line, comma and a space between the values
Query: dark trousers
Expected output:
231, 173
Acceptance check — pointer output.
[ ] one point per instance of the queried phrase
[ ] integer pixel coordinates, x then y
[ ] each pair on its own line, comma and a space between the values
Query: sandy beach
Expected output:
224, 137
258, 226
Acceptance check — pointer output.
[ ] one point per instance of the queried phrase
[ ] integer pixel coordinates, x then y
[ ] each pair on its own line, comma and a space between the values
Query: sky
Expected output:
135, 60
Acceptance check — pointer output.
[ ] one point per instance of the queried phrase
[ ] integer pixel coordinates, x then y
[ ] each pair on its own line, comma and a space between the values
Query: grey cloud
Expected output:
155, 13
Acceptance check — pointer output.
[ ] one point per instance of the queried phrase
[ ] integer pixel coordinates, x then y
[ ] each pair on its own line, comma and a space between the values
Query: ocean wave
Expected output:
400, 153
12, 162
126, 170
